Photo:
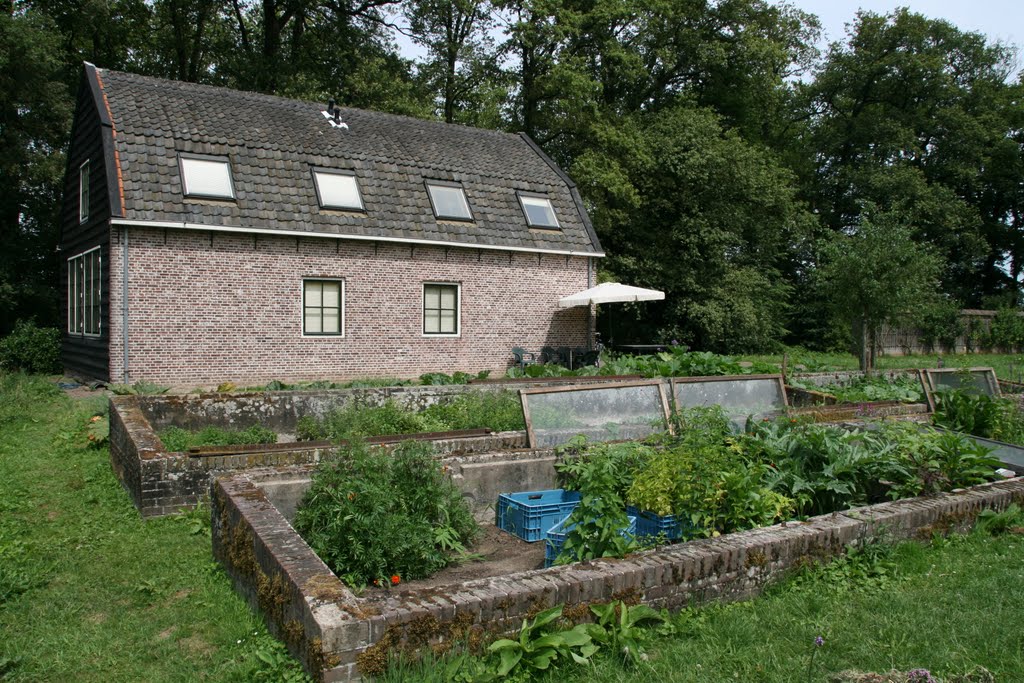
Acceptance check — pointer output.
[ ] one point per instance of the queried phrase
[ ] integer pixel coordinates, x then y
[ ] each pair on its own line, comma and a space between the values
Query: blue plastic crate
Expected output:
556, 538
649, 524
529, 514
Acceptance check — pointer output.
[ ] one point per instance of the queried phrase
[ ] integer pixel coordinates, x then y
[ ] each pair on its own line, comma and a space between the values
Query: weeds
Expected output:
176, 439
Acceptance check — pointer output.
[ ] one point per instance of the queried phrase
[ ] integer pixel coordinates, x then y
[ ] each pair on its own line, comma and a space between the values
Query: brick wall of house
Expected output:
205, 307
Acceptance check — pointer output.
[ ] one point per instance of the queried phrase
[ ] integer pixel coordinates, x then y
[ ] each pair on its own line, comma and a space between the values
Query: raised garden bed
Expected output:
340, 636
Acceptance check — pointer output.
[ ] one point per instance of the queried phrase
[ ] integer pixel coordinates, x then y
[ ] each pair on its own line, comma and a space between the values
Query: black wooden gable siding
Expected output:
90, 139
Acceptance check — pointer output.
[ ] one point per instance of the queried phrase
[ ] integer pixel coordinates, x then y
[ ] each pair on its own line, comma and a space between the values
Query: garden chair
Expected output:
522, 357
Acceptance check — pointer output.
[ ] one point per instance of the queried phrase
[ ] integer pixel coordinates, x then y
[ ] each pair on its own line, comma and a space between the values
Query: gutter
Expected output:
124, 222
124, 302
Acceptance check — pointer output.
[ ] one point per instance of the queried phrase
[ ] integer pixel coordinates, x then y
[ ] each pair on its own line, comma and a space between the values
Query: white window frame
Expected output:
536, 195
317, 172
183, 157
340, 334
83, 192
447, 184
80, 299
458, 309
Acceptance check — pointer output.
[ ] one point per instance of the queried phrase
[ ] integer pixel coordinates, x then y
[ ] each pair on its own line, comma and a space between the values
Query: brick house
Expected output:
214, 235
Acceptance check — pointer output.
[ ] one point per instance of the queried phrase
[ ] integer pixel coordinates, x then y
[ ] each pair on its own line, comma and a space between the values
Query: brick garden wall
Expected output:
206, 307
341, 637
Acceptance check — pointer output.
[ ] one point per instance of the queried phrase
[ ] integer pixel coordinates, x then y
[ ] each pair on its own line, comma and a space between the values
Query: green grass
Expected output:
91, 592
1007, 365
949, 608
88, 590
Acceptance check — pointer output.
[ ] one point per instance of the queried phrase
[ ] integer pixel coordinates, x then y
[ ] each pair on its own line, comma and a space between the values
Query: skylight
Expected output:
209, 177
449, 201
337, 190
539, 212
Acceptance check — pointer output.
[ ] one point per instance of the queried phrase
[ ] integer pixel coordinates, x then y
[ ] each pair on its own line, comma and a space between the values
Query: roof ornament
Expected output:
333, 115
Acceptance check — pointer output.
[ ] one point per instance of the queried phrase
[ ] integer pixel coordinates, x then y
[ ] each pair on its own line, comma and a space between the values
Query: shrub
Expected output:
31, 349
373, 515
176, 439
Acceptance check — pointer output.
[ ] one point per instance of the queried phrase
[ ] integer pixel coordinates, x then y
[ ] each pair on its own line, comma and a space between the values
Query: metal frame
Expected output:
728, 378
930, 388
523, 393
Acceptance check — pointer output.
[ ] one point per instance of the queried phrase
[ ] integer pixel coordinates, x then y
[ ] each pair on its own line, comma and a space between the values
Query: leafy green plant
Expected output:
496, 410
676, 362
501, 411
996, 522
177, 439
31, 349
980, 415
276, 666
372, 514
932, 461
871, 388
599, 519
454, 378
624, 629
540, 644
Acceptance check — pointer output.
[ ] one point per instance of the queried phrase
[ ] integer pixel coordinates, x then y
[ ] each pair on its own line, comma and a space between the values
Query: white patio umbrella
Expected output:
610, 292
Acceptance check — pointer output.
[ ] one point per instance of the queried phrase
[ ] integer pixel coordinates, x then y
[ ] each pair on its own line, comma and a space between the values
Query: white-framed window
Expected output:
337, 190
85, 279
206, 177
538, 210
323, 308
449, 201
83, 192
441, 309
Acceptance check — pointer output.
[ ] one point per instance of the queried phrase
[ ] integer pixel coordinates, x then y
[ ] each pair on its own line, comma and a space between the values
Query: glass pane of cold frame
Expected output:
740, 398
601, 414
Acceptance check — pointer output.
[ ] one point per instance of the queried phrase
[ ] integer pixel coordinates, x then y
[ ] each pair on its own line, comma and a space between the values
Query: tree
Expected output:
877, 274
460, 53
34, 119
912, 115
686, 206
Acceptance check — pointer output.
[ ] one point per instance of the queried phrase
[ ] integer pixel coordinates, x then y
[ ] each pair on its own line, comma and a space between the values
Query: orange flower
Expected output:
376, 582
395, 580
94, 418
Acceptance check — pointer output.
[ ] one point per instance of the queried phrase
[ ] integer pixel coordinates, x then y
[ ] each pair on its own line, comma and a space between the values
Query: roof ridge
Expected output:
292, 100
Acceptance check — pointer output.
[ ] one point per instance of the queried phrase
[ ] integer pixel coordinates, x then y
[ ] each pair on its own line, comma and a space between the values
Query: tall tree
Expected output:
907, 115
461, 57
34, 117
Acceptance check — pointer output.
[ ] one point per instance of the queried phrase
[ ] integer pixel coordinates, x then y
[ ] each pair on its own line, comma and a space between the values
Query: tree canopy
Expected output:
724, 158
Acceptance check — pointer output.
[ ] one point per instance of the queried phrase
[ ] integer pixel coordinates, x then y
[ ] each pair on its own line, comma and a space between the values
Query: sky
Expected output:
1000, 20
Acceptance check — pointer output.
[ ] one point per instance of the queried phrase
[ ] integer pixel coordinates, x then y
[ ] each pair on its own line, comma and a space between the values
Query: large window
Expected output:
538, 210
440, 309
337, 190
323, 307
83, 192
84, 282
449, 201
206, 177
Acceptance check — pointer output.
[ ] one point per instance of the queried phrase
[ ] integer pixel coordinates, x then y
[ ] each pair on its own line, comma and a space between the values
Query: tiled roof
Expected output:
273, 143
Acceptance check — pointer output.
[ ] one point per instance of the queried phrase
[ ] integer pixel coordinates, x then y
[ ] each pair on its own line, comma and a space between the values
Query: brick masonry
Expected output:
340, 637
206, 308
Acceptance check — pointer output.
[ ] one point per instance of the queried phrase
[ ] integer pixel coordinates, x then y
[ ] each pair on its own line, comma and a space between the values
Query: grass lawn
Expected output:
90, 592
1009, 366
